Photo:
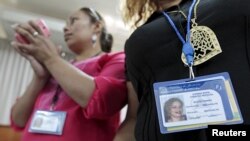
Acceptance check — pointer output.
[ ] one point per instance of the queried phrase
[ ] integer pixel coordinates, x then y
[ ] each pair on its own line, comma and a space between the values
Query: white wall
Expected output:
15, 74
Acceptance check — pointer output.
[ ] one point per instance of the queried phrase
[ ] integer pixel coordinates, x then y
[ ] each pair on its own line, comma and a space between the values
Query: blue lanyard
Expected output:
187, 48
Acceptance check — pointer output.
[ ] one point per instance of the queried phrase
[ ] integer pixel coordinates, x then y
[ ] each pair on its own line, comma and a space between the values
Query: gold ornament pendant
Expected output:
205, 43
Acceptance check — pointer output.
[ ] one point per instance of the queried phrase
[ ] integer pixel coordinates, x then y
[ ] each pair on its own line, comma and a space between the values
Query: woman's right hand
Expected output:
40, 71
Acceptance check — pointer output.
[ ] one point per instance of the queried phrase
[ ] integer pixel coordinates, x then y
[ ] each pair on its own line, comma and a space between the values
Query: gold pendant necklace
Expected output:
204, 41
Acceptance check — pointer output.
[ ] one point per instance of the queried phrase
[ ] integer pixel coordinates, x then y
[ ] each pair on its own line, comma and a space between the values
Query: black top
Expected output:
153, 54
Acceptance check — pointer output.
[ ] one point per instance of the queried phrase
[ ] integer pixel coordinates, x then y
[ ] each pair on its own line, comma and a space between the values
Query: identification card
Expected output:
187, 105
48, 122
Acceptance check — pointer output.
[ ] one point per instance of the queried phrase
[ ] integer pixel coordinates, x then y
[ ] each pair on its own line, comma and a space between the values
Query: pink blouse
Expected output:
99, 120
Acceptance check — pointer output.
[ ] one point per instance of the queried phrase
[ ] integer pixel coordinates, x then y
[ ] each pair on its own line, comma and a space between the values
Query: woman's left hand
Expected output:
41, 47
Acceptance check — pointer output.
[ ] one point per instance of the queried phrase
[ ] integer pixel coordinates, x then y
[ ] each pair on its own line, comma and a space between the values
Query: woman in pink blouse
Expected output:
74, 101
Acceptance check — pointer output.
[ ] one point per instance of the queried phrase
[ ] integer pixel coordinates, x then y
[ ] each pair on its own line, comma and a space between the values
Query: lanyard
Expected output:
55, 98
187, 48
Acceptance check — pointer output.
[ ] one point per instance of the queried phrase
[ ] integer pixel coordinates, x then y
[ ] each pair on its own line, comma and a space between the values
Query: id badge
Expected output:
187, 105
48, 122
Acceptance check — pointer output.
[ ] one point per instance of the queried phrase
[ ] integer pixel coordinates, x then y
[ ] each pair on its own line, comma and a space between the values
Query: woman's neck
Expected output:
88, 53
164, 4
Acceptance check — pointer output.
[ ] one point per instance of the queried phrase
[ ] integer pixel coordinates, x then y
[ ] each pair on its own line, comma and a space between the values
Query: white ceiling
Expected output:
59, 10
62, 8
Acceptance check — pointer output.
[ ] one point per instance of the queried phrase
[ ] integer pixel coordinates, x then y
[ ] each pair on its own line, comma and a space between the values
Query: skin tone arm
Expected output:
126, 130
23, 107
72, 81
70, 78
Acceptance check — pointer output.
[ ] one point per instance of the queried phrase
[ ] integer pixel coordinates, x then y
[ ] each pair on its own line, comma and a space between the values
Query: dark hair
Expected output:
106, 38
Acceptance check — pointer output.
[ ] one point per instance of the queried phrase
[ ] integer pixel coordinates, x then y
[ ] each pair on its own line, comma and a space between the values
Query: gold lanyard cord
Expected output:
185, 16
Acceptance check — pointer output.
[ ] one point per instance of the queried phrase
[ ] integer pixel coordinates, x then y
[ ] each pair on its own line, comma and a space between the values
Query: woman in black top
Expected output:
153, 54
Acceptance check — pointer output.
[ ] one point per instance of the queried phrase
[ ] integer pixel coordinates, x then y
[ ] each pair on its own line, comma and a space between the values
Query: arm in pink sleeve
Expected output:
110, 94
13, 125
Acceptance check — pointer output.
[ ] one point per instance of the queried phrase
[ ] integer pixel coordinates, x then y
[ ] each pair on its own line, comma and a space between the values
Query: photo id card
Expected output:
48, 122
187, 105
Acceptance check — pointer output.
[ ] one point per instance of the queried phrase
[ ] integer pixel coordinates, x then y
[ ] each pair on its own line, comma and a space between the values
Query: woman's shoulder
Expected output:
114, 57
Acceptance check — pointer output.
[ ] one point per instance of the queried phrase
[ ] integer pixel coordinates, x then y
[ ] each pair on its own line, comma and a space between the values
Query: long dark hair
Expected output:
106, 38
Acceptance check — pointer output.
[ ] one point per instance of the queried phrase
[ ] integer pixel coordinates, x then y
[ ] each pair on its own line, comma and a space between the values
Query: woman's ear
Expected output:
98, 27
